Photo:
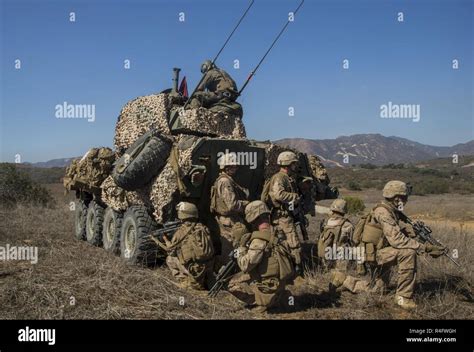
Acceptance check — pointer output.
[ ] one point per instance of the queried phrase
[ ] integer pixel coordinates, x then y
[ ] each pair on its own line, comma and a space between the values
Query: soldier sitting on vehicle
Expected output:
217, 88
265, 258
190, 250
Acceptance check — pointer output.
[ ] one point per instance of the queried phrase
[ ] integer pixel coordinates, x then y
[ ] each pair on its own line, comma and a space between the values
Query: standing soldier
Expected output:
283, 196
228, 202
337, 232
190, 250
265, 258
388, 243
217, 86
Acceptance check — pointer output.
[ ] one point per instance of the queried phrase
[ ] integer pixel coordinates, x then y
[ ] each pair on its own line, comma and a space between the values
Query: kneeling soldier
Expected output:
190, 250
265, 258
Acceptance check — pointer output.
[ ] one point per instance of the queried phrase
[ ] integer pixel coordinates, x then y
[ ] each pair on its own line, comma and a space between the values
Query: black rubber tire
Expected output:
136, 245
80, 213
153, 150
111, 230
94, 223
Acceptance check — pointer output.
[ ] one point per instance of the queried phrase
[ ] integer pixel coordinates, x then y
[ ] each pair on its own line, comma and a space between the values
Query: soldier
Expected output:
228, 202
190, 250
388, 243
283, 195
336, 234
265, 258
217, 86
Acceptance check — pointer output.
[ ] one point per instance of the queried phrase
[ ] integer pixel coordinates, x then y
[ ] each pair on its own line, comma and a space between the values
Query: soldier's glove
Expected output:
434, 251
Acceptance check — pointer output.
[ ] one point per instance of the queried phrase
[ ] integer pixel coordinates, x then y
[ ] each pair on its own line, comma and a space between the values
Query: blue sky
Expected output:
82, 63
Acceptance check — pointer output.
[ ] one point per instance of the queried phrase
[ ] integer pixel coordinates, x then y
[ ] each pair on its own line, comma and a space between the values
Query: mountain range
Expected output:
374, 149
355, 149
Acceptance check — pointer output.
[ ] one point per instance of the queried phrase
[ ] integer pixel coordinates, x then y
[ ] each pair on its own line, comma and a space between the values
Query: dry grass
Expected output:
104, 287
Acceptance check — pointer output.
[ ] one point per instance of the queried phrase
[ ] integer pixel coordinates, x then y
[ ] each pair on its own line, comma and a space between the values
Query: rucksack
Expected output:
197, 245
265, 196
329, 237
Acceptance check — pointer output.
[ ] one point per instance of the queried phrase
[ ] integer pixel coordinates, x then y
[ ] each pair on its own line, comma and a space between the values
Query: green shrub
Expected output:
354, 205
17, 187
354, 186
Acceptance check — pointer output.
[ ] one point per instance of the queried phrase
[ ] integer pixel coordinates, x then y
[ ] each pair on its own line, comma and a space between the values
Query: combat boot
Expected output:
405, 303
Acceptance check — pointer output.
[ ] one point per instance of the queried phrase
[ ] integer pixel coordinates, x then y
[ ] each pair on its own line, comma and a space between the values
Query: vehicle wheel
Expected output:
142, 161
80, 214
111, 230
94, 222
136, 245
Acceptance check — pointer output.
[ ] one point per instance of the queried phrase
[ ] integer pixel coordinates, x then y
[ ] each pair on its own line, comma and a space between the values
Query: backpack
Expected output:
329, 237
359, 229
197, 245
265, 196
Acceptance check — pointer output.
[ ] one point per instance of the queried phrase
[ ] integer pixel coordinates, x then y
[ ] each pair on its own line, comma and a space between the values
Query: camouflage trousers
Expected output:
194, 275
230, 231
265, 293
387, 258
285, 226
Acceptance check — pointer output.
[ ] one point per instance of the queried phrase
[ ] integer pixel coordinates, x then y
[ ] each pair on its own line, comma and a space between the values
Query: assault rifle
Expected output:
300, 219
424, 234
169, 228
224, 275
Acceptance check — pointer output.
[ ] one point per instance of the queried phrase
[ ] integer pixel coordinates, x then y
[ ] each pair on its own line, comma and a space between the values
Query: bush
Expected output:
354, 205
17, 187
368, 166
354, 186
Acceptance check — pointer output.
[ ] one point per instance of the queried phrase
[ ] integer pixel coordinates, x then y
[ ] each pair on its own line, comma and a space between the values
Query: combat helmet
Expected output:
286, 158
254, 209
206, 66
187, 211
395, 188
339, 205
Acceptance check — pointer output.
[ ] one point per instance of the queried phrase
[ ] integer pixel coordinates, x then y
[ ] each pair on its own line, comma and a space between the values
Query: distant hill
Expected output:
374, 149
52, 163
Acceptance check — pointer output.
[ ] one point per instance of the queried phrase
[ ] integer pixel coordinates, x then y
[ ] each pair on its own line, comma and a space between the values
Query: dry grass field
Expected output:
73, 280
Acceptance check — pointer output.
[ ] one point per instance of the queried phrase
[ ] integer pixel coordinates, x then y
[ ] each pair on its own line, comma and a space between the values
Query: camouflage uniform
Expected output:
343, 229
395, 248
230, 202
190, 251
268, 262
282, 191
216, 87
194, 274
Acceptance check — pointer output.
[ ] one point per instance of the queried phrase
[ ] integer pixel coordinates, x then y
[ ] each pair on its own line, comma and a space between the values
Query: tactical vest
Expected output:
194, 245
276, 261
331, 235
218, 205
372, 234
277, 206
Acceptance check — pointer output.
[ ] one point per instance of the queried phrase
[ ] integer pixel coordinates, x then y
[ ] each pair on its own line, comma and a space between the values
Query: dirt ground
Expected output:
73, 280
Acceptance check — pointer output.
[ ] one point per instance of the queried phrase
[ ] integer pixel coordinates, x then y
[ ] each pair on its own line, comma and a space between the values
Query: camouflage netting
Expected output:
209, 122
139, 116
318, 169
271, 156
119, 199
165, 186
91, 170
